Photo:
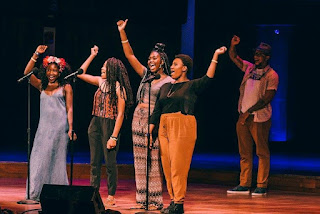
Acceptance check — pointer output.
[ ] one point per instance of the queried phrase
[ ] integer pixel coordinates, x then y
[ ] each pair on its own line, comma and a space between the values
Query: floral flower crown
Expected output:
52, 59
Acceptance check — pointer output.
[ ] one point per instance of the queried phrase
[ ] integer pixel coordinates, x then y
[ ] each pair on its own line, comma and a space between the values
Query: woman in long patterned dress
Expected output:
158, 63
49, 151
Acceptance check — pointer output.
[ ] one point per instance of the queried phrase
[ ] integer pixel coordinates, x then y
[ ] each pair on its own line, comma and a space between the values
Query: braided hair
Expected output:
159, 48
117, 72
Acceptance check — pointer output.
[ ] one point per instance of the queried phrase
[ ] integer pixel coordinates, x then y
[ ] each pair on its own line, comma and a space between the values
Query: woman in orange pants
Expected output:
177, 130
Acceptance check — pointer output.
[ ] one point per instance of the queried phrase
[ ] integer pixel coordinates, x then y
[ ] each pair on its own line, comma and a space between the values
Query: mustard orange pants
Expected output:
177, 136
248, 134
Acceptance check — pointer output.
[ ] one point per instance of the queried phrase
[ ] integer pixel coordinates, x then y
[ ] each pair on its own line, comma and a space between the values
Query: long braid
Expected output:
116, 71
159, 48
165, 59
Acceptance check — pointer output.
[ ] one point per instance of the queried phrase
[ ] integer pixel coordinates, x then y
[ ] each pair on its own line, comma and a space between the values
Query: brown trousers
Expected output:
258, 133
177, 136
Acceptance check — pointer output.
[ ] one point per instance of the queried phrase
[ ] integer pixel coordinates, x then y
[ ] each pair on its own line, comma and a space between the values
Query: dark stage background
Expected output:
81, 24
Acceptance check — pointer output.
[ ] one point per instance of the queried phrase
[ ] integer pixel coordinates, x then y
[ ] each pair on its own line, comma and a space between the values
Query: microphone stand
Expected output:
28, 200
72, 134
148, 157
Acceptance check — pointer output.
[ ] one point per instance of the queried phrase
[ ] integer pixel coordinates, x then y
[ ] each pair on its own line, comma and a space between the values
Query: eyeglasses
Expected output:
259, 54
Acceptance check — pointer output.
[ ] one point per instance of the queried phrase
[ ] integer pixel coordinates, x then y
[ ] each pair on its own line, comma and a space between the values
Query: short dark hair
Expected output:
186, 60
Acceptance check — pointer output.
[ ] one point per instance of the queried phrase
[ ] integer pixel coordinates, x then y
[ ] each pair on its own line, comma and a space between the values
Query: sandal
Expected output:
110, 202
153, 207
138, 207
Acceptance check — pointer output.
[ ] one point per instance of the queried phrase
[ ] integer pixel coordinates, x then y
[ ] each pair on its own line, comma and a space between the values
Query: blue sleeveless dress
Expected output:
49, 151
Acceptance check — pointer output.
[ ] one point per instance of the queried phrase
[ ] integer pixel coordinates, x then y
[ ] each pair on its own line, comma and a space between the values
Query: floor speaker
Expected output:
64, 199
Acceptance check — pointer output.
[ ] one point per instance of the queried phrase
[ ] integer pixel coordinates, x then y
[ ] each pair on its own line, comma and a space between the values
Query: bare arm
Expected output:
69, 109
134, 62
151, 127
93, 54
213, 65
121, 105
233, 52
93, 80
265, 100
34, 81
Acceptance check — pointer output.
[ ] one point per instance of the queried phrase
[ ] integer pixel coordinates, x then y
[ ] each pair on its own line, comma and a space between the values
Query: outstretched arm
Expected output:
233, 52
34, 81
134, 62
213, 65
94, 80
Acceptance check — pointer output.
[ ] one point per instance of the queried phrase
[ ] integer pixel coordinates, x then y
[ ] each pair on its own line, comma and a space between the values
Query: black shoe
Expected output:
178, 209
166, 210
260, 191
239, 190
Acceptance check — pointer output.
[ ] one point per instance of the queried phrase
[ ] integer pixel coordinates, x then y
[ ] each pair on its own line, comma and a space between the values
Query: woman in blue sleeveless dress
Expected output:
49, 150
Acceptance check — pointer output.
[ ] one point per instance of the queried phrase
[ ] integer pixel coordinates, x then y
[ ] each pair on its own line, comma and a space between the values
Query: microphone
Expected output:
79, 71
33, 71
151, 77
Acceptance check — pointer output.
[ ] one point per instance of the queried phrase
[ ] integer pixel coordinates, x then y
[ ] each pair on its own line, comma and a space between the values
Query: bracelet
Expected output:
37, 53
113, 138
124, 41
214, 61
33, 59
147, 134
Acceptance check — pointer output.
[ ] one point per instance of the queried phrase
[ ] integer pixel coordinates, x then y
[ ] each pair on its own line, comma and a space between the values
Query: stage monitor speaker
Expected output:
64, 199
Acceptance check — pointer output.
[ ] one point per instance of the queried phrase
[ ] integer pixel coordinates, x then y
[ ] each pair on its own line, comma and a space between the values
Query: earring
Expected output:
161, 65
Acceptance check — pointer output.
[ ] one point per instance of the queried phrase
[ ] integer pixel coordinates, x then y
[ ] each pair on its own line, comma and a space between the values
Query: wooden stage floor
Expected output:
201, 199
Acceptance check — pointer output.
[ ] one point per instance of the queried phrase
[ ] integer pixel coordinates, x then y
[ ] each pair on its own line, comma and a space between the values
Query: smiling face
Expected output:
177, 68
52, 72
260, 59
154, 61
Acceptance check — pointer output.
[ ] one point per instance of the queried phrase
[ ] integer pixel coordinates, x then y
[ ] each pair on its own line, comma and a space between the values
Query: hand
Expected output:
111, 144
235, 40
122, 24
243, 117
70, 135
221, 50
151, 141
41, 49
94, 50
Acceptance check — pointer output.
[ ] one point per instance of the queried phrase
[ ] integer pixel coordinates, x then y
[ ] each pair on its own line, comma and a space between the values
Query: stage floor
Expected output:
200, 199
294, 184
307, 165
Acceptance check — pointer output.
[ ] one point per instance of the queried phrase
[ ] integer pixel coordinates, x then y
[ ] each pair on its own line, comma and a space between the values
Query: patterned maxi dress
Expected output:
49, 151
139, 129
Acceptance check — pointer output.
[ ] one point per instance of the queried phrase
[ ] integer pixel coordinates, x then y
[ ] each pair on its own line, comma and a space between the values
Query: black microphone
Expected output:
33, 71
79, 71
151, 77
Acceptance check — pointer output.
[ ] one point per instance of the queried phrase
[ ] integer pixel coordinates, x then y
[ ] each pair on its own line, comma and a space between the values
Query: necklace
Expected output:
180, 84
170, 92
